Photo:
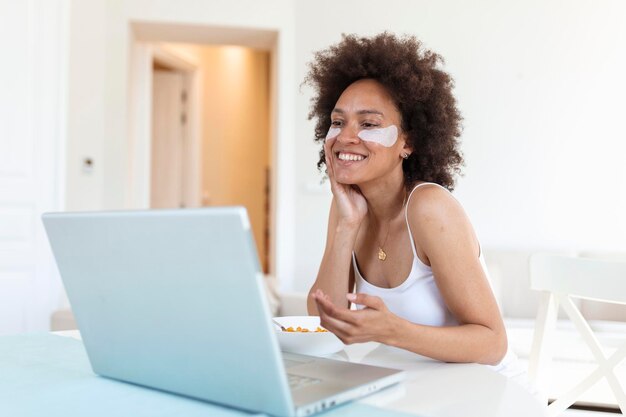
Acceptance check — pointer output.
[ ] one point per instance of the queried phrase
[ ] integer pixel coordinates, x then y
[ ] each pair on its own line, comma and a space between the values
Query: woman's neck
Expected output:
385, 198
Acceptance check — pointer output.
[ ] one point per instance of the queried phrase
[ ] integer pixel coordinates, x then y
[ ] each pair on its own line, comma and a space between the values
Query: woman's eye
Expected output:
336, 123
369, 125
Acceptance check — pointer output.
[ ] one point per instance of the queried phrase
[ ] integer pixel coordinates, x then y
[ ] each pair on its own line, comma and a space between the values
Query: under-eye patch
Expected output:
333, 132
385, 136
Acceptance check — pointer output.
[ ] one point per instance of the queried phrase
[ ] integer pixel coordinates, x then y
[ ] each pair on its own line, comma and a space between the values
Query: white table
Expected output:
440, 389
437, 389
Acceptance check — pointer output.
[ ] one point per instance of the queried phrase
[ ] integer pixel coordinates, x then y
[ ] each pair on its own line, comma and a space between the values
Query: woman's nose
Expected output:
348, 135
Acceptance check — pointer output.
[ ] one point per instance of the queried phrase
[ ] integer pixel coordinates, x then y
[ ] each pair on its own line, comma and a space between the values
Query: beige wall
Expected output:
236, 131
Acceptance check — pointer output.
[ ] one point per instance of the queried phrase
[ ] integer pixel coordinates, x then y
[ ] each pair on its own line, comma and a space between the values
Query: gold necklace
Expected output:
382, 255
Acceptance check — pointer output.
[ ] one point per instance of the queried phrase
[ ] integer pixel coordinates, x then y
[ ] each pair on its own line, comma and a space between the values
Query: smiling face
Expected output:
365, 138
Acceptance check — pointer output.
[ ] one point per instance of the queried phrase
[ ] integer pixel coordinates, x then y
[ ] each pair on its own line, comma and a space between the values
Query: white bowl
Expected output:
306, 343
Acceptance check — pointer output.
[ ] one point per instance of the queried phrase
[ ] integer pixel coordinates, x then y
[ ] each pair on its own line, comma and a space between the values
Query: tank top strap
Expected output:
406, 214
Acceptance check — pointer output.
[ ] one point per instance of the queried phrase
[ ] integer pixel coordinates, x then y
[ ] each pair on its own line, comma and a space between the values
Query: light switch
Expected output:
87, 165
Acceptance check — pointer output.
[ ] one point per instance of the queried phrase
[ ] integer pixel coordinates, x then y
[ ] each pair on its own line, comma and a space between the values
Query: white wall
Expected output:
541, 87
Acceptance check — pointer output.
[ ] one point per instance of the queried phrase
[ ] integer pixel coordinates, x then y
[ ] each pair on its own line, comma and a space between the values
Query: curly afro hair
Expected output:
422, 93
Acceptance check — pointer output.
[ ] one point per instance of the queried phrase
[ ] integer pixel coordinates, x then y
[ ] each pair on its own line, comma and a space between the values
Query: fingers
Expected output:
334, 312
346, 332
339, 313
348, 325
332, 324
370, 301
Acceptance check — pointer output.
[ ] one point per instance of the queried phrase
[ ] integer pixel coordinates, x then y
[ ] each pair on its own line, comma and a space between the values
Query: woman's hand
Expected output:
375, 323
351, 205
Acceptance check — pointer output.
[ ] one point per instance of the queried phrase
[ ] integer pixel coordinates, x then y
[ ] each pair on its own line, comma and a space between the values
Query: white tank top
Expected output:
418, 299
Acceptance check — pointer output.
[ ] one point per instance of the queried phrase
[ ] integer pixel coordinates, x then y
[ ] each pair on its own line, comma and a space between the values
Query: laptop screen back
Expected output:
173, 299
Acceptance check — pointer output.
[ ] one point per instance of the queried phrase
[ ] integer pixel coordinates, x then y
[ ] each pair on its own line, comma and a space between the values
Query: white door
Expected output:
30, 120
168, 140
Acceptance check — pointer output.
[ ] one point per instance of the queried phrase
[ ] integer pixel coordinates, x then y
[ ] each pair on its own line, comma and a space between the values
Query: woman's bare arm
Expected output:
347, 211
335, 276
443, 231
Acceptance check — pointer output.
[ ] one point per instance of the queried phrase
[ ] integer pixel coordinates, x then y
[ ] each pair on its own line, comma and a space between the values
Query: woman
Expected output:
389, 126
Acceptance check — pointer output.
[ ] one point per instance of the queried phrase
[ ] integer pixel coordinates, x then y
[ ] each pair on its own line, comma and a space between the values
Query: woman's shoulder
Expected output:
425, 194
430, 202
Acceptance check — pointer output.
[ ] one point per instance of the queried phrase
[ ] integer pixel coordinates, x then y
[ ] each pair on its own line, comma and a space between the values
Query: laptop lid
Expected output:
173, 299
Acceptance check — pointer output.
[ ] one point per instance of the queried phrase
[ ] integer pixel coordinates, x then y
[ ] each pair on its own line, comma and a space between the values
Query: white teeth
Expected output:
350, 157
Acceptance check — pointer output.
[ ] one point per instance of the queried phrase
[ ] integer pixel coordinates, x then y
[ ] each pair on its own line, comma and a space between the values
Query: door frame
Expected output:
140, 123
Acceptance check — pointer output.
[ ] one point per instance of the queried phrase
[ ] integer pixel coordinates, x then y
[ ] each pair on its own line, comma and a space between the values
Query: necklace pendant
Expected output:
381, 254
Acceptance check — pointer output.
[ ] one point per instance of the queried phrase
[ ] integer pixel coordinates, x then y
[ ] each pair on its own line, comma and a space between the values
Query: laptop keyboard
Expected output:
299, 381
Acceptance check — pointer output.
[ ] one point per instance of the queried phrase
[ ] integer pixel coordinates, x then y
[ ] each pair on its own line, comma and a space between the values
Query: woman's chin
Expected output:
347, 180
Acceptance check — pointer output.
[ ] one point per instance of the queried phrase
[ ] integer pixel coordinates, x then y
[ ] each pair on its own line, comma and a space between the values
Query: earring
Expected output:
405, 155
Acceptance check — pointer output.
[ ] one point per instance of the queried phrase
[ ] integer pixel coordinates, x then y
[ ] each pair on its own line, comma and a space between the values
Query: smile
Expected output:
344, 156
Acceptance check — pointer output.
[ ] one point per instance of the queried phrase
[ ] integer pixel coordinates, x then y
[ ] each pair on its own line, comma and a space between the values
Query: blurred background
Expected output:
111, 104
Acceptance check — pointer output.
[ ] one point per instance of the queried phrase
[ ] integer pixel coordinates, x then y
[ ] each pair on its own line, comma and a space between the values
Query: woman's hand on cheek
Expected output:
350, 202
372, 324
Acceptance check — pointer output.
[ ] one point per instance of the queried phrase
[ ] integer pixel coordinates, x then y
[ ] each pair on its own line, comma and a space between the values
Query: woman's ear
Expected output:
407, 149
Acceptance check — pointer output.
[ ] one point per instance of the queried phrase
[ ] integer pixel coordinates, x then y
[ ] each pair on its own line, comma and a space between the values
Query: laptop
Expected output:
174, 300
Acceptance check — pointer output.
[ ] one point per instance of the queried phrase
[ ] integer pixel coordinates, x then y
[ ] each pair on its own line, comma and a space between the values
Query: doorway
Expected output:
230, 99
236, 135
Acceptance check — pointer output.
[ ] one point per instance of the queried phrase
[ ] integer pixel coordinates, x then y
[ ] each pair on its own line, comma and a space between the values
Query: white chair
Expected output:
560, 278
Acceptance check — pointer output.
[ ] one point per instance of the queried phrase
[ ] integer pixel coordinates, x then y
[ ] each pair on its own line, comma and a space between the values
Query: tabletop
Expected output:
437, 389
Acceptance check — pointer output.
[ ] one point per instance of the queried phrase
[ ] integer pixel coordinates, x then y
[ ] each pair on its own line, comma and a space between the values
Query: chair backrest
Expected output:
588, 278
594, 310
559, 278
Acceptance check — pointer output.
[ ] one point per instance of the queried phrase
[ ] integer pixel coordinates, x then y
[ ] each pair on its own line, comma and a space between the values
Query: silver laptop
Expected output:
174, 300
